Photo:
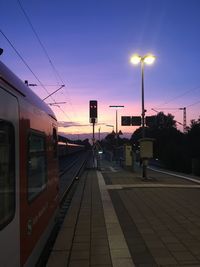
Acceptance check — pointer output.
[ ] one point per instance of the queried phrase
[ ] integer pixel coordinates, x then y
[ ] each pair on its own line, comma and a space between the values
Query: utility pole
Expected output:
147, 59
99, 134
116, 123
184, 119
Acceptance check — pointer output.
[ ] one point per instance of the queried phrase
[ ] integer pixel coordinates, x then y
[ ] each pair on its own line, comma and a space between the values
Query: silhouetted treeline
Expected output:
173, 149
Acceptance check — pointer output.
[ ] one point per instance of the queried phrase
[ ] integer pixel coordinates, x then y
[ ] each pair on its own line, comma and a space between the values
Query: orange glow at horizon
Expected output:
80, 124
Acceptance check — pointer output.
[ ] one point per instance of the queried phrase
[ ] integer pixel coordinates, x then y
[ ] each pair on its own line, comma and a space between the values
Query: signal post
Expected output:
93, 116
93, 120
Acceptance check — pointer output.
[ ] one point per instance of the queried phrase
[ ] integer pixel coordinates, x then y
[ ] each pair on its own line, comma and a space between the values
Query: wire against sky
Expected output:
56, 73
195, 103
26, 64
179, 96
54, 92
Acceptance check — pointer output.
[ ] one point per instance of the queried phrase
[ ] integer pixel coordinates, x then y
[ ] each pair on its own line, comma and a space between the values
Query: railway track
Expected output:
69, 178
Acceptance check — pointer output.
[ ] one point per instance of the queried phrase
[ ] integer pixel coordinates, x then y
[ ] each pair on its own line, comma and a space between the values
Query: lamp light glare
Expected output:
149, 59
116, 106
135, 59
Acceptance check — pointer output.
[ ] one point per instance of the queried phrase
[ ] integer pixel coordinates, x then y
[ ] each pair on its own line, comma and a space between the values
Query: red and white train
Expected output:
66, 148
28, 172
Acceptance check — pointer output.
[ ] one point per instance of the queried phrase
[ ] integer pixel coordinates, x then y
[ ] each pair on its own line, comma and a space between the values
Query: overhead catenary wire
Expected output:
179, 96
57, 75
193, 104
54, 92
186, 106
23, 60
65, 114
26, 64
39, 40
48, 57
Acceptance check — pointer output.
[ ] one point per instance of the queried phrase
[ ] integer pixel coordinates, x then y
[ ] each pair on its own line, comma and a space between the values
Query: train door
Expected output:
9, 180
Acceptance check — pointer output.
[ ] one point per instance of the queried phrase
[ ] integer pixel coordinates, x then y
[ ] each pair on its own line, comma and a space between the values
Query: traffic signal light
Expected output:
93, 109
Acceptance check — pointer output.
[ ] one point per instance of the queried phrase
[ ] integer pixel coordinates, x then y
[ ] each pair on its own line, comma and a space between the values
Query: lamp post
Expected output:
147, 59
99, 134
117, 107
108, 125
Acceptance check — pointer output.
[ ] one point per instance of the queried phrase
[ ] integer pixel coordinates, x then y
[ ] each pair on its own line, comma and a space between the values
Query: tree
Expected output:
169, 144
161, 121
193, 145
158, 122
109, 141
193, 138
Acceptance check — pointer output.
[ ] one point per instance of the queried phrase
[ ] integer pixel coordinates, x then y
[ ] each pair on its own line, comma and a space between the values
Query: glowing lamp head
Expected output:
149, 59
135, 59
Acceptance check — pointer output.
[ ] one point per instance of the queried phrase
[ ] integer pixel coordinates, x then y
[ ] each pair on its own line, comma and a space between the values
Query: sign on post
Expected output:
126, 120
136, 120
131, 120
146, 148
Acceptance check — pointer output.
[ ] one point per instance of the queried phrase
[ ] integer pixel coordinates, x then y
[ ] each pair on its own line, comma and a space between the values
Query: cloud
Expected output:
83, 136
67, 124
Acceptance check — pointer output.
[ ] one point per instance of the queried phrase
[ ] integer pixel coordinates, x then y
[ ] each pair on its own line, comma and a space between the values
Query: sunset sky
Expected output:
89, 43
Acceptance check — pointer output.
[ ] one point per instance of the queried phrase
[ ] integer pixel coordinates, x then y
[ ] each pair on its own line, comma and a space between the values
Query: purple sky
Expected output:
90, 44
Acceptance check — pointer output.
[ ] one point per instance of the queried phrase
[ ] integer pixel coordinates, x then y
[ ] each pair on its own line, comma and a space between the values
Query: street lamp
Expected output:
109, 125
99, 133
116, 107
147, 59
113, 132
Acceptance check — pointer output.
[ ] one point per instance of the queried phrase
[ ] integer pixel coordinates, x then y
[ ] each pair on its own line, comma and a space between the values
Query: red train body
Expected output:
28, 172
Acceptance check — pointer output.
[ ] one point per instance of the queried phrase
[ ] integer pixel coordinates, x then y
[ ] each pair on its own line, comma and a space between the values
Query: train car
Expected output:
28, 172
66, 148
74, 148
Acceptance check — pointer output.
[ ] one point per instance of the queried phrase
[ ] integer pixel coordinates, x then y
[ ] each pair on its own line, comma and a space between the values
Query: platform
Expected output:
116, 219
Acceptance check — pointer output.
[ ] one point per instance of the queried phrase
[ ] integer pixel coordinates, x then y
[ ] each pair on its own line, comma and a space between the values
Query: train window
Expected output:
55, 141
7, 173
37, 169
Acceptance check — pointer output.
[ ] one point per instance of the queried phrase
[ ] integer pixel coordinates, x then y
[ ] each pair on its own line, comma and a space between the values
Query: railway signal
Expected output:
93, 109
93, 116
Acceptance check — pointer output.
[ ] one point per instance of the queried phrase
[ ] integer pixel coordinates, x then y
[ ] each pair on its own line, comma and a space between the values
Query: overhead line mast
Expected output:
184, 116
184, 119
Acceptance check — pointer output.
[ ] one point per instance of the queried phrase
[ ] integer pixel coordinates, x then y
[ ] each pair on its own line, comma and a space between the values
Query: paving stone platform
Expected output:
116, 219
